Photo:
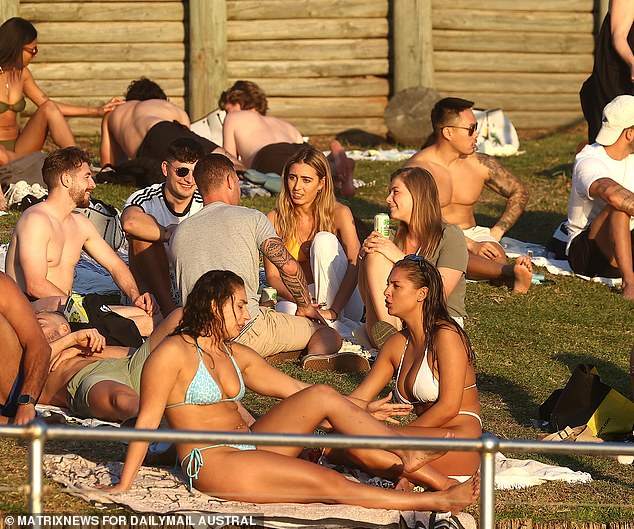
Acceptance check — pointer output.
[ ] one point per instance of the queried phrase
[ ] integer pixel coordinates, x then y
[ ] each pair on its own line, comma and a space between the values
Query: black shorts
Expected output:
161, 136
587, 259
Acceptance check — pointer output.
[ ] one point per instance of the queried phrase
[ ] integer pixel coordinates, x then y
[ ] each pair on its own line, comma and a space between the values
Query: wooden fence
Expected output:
326, 65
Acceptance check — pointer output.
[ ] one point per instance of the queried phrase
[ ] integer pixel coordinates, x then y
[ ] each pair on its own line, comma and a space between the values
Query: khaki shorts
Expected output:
126, 371
480, 234
275, 332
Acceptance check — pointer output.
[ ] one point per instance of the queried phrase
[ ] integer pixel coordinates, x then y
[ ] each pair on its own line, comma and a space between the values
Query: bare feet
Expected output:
523, 274
415, 459
628, 291
456, 498
404, 485
343, 168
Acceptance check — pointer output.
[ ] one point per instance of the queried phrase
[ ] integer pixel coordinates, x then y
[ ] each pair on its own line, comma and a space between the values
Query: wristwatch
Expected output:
26, 399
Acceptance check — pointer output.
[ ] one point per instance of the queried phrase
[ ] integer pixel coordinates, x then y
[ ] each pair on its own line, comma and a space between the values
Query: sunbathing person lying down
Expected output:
197, 377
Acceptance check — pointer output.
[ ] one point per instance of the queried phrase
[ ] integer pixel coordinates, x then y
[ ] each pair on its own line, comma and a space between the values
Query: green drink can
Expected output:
382, 224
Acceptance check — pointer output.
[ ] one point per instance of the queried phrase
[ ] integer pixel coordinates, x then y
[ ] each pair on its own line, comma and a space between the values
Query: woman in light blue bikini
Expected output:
433, 364
197, 376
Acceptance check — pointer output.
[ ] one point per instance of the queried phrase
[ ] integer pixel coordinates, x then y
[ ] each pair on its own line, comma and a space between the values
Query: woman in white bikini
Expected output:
433, 363
196, 378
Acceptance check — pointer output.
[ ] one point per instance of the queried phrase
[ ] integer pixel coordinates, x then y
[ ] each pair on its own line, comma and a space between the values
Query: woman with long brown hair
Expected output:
320, 233
18, 47
197, 377
413, 201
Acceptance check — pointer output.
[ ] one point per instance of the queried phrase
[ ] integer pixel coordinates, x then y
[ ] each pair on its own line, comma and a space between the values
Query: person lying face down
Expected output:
197, 377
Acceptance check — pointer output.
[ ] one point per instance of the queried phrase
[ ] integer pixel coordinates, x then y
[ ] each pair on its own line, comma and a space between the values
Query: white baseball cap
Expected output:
618, 115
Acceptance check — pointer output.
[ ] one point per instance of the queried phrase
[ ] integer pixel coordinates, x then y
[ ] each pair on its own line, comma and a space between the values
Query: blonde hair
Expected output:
426, 221
323, 206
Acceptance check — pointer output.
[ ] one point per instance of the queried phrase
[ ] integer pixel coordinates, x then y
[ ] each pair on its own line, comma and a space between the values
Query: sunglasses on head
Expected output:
418, 259
181, 172
471, 129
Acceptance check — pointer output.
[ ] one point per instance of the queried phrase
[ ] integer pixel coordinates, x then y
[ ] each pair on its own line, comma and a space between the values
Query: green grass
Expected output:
525, 346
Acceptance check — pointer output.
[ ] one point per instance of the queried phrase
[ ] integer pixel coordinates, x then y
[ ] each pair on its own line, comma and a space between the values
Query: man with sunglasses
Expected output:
150, 216
461, 174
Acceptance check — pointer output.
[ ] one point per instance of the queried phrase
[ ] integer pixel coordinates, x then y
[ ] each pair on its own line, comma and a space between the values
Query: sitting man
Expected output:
601, 204
48, 239
92, 379
460, 174
25, 355
145, 126
264, 143
151, 214
226, 236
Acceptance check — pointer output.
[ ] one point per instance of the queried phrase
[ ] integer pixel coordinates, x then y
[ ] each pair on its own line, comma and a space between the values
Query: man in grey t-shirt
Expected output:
226, 236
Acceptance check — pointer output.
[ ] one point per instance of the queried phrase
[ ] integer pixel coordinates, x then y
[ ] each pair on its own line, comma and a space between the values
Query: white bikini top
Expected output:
426, 388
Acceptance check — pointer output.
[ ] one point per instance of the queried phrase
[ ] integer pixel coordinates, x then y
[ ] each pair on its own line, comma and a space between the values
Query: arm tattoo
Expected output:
291, 272
614, 194
509, 186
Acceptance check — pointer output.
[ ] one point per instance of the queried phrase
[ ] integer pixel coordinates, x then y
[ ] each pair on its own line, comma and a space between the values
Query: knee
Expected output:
325, 242
322, 392
125, 403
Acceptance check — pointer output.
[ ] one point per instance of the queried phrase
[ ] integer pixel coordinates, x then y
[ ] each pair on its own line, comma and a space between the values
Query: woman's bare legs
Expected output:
372, 280
272, 478
303, 411
47, 118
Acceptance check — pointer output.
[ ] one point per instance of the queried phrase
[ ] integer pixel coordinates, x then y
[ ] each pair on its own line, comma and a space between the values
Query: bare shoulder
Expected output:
394, 347
342, 212
36, 216
174, 347
420, 159
448, 336
483, 164
272, 216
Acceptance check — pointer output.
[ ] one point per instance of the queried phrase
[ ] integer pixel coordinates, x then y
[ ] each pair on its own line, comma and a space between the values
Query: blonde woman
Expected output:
413, 201
320, 233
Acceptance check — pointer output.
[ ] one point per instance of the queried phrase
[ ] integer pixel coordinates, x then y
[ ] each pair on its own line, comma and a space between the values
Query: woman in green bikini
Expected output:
18, 47
196, 378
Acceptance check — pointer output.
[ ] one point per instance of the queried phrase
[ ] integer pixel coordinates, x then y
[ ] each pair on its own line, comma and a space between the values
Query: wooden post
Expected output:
207, 55
8, 9
413, 44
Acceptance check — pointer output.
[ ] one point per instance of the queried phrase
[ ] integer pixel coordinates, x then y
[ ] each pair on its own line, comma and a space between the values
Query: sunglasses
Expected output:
418, 259
33, 51
181, 172
471, 129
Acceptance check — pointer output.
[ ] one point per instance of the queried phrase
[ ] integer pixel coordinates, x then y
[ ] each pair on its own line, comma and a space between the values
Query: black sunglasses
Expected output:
419, 260
181, 172
33, 51
470, 129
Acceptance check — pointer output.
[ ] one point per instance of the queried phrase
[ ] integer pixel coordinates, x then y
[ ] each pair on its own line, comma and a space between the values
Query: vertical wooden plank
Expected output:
207, 55
413, 45
8, 9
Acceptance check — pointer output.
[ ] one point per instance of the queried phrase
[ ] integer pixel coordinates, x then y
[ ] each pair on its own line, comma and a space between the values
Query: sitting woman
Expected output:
18, 47
197, 378
413, 201
320, 233
433, 363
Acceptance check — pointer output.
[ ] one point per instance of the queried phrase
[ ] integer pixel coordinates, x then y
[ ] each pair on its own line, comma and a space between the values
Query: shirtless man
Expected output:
264, 143
461, 174
25, 355
48, 239
145, 125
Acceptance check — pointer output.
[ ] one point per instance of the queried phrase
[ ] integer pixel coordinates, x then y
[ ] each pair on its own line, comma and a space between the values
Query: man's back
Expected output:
248, 131
221, 237
127, 124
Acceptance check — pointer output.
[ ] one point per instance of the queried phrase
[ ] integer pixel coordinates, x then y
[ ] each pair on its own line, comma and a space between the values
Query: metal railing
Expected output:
38, 432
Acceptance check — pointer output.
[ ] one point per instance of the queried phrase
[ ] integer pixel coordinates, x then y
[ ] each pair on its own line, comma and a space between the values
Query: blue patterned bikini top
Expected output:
203, 389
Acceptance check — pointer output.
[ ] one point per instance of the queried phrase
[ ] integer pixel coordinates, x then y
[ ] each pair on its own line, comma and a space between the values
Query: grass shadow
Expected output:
610, 373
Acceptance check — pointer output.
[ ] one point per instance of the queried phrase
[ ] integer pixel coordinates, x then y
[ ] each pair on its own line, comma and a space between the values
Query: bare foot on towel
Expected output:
456, 498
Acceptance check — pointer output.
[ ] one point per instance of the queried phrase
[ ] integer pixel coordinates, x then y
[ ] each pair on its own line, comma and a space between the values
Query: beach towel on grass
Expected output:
162, 491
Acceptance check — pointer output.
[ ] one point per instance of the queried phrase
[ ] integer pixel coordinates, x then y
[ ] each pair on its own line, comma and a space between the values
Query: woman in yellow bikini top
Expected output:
319, 232
433, 364
18, 47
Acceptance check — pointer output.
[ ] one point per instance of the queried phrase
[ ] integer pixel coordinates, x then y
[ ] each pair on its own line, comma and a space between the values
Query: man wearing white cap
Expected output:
601, 204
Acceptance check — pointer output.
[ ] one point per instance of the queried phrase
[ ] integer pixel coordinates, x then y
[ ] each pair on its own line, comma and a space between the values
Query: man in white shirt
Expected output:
151, 214
601, 203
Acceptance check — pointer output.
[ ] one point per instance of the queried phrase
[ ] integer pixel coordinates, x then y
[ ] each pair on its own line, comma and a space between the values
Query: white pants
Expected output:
329, 264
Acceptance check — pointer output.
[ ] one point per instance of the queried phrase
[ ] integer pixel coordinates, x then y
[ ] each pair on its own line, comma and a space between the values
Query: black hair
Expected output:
15, 33
435, 313
202, 314
447, 110
144, 89
185, 150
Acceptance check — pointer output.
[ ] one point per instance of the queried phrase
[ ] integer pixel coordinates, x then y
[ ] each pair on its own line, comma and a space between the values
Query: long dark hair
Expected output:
15, 33
202, 314
435, 314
